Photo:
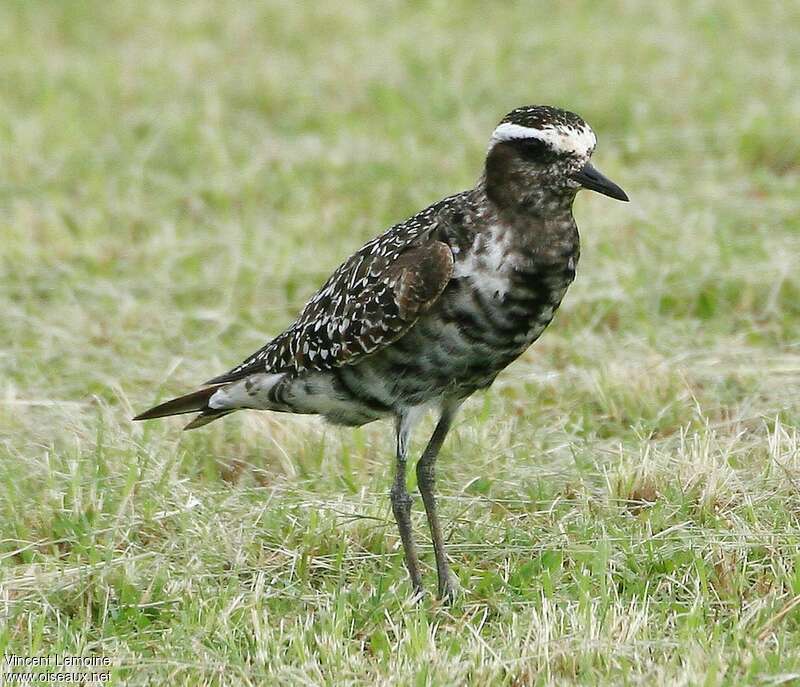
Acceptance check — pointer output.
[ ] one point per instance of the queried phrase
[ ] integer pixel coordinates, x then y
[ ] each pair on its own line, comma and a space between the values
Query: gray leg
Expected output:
426, 479
401, 504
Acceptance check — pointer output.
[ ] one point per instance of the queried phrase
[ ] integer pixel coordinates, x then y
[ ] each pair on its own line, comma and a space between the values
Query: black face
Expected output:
519, 170
546, 167
534, 151
528, 172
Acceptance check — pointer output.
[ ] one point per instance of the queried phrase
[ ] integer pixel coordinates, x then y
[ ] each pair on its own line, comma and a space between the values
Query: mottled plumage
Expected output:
368, 302
433, 309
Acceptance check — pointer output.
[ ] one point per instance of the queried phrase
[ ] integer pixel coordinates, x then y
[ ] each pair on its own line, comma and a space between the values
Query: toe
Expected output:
450, 589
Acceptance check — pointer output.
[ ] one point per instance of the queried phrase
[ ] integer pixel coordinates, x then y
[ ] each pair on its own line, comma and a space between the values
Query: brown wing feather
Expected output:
370, 301
367, 319
422, 274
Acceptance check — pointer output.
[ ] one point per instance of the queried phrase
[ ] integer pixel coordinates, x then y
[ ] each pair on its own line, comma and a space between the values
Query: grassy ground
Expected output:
176, 179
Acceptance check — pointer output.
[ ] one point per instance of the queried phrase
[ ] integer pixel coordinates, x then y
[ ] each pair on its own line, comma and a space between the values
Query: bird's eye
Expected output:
534, 150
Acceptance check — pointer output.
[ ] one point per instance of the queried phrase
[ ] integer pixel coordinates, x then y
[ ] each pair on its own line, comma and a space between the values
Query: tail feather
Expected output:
190, 403
233, 396
205, 417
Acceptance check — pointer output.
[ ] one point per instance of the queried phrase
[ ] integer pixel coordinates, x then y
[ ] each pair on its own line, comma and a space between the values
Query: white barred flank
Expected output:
250, 392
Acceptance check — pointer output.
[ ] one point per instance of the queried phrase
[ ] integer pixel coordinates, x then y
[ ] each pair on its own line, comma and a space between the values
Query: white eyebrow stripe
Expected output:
579, 142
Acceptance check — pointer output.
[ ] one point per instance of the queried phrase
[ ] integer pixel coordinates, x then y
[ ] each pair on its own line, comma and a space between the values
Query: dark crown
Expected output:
543, 116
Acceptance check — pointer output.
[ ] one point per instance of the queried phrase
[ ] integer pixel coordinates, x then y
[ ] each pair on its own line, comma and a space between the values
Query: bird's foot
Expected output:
417, 596
449, 588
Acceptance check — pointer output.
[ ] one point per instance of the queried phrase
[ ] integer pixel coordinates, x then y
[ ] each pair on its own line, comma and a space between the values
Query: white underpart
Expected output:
484, 264
408, 420
251, 392
562, 139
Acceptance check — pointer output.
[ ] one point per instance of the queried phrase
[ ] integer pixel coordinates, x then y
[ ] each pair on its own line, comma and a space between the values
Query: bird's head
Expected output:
539, 158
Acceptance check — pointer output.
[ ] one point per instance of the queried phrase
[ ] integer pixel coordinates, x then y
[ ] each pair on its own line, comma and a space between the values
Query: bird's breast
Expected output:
505, 289
500, 299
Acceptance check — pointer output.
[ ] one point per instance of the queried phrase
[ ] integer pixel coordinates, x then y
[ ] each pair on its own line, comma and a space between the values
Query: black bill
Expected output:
590, 178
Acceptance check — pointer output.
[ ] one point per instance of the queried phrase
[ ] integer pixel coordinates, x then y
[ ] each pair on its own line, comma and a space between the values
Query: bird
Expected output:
430, 311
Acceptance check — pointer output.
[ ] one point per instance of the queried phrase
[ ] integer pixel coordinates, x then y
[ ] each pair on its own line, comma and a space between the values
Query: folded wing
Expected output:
369, 302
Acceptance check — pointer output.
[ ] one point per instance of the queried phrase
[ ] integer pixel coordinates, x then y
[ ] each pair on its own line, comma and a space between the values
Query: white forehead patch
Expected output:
562, 139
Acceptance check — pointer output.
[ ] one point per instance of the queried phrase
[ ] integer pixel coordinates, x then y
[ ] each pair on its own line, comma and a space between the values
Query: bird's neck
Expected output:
533, 230
518, 198
518, 202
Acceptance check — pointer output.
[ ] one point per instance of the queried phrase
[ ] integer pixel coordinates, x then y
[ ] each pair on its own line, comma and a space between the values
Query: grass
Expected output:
177, 179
